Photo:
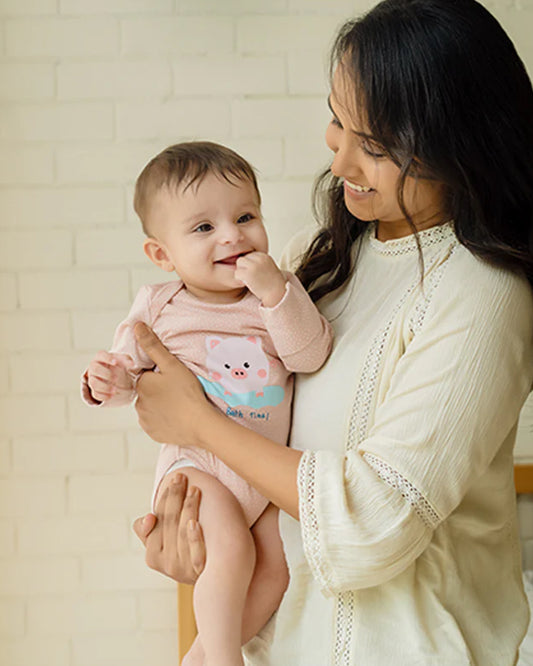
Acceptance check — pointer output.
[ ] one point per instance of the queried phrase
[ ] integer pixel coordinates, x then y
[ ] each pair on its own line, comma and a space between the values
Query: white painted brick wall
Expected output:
61, 37
27, 81
58, 207
89, 91
27, 166
525, 515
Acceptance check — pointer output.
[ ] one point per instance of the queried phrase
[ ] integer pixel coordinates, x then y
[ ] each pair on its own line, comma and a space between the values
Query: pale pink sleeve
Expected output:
124, 342
301, 335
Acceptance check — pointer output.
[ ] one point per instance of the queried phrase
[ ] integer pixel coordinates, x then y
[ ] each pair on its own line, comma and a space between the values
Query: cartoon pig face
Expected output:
239, 364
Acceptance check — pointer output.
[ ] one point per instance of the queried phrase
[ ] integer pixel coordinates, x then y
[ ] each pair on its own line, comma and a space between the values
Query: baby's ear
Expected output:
157, 252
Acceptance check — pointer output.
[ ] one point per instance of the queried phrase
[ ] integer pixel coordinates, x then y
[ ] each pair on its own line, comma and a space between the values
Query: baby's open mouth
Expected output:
232, 260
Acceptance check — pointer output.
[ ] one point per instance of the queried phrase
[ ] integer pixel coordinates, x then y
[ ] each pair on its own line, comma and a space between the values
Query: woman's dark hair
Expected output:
443, 90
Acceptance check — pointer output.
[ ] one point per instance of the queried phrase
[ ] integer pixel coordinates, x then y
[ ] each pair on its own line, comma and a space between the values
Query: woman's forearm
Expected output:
267, 466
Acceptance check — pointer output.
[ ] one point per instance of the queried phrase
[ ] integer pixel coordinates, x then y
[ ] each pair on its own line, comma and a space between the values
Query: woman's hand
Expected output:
171, 403
173, 537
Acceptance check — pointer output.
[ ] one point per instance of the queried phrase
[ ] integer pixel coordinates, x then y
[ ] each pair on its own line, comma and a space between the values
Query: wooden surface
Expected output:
186, 625
187, 631
523, 478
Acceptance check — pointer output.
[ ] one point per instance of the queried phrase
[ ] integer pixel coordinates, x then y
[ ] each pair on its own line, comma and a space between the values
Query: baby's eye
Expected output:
203, 228
245, 218
336, 122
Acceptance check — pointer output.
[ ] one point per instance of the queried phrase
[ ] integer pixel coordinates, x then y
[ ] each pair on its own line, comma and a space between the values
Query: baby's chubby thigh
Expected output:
228, 539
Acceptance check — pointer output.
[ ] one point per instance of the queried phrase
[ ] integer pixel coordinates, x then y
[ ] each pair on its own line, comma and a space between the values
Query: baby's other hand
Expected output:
108, 375
259, 272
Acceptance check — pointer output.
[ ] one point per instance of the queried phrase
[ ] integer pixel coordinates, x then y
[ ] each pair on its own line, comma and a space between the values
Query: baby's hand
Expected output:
107, 375
258, 271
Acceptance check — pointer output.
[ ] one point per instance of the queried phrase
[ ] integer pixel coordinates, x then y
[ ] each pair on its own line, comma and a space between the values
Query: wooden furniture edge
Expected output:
186, 624
523, 478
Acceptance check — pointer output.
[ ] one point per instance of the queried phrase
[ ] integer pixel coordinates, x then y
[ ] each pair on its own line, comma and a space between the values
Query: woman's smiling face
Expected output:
370, 176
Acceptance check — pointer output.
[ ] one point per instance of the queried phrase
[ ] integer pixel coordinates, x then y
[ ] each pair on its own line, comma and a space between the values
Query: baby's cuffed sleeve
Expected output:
124, 342
301, 335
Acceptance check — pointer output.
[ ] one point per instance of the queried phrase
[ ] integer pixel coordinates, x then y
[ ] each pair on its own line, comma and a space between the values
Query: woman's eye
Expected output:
203, 228
373, 149
245, 218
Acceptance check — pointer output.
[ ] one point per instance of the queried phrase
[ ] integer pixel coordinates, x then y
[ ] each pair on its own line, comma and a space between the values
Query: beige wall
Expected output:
89, 90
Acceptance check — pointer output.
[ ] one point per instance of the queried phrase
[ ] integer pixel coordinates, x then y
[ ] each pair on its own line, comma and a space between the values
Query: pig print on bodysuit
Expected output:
239, 364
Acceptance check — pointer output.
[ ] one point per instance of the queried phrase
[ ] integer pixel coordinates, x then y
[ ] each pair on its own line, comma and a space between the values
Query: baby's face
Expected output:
201, 232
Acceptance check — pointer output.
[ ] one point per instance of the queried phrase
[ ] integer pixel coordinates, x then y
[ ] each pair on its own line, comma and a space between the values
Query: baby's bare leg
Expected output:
195, 656
270, 578
220, 591
269, 582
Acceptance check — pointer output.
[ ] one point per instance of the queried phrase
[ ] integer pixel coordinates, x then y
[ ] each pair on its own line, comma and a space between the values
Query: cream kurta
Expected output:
407, 552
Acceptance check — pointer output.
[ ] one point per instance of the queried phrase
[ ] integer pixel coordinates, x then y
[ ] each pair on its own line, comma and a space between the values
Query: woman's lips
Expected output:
357, 191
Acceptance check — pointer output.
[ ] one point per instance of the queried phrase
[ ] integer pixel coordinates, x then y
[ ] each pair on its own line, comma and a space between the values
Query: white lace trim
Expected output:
409, 492
309, 517
345, 608
358, 426
363, 398
430, 285
344, 628
406, 244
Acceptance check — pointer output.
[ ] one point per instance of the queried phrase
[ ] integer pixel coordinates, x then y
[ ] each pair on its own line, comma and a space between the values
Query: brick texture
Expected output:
90, 90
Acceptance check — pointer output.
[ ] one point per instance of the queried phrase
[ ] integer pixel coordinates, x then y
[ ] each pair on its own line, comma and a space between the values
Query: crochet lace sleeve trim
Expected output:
409, 492
309, 518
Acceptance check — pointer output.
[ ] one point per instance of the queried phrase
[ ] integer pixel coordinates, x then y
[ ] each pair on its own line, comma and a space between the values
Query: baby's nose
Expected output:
230, 234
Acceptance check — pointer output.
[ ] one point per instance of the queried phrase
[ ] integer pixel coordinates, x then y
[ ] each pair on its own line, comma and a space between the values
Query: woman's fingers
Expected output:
143, 526
190, 513
172, 511
173, 537
153, 346
196, 546
189, 545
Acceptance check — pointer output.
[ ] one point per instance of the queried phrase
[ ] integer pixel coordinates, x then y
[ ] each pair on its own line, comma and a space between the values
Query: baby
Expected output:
243, 327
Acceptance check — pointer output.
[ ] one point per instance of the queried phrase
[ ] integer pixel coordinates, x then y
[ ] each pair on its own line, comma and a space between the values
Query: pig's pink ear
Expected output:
212, 341
252, 338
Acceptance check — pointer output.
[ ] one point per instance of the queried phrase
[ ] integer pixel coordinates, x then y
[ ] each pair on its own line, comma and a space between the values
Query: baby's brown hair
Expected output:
184, 164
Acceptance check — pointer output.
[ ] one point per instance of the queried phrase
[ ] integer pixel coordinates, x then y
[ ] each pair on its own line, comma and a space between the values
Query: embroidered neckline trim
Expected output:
407, 244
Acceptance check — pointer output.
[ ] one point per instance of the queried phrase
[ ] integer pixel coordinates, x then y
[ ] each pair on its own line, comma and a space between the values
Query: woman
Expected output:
396, 496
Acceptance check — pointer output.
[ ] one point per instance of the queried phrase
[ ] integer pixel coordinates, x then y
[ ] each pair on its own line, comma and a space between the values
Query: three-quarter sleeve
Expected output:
439, 417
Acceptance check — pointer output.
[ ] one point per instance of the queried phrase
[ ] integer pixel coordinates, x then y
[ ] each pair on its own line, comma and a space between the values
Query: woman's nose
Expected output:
343, 161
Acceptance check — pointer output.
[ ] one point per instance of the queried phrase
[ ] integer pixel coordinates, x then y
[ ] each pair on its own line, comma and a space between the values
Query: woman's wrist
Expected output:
266, 465
209, 421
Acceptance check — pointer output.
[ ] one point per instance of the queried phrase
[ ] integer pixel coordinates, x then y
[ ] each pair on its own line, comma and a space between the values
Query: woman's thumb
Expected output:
144, 525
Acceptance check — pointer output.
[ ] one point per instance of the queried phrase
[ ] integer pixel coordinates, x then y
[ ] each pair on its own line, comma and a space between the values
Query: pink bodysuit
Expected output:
242, 353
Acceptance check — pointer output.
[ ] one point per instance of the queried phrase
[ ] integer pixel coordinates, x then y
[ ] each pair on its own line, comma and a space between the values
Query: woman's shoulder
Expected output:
296, 248
477, 285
